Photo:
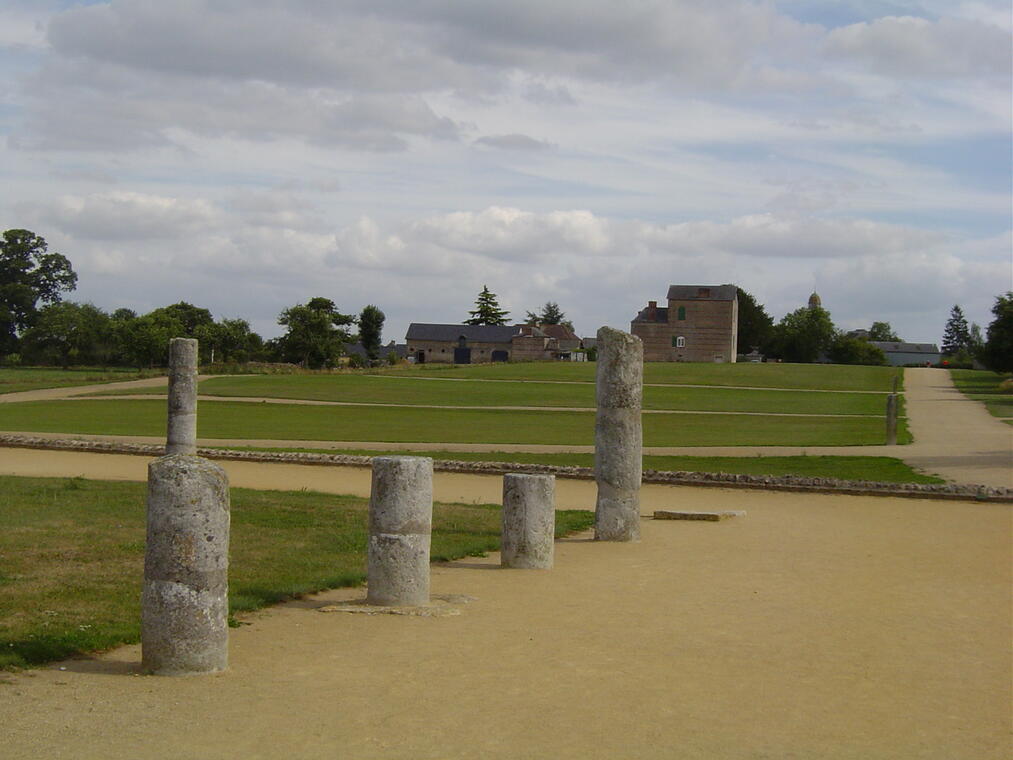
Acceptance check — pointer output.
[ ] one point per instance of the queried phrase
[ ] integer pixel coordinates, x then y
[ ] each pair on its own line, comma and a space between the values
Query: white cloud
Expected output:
916, 47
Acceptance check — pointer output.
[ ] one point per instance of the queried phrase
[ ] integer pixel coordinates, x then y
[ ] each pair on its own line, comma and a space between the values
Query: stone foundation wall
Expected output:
948, 491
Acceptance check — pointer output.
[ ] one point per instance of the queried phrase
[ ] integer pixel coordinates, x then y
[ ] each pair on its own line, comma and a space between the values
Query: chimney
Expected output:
652, 310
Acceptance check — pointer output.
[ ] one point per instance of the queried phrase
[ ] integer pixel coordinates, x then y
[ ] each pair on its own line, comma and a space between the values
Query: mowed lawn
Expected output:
983, 386
15, 379
224, 419
438, 391
72, 554
833, 377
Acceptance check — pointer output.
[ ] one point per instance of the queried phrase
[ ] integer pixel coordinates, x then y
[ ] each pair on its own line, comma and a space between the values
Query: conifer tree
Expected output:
487, 310
956, 334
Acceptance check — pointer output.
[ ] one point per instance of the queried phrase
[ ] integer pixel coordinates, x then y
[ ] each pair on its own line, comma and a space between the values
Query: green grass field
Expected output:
72, 555
418, 391
982, 385
878, 469
14, 379
226, 419
768, 375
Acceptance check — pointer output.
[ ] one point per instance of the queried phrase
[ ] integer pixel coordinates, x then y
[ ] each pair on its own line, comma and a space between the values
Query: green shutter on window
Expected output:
682, 312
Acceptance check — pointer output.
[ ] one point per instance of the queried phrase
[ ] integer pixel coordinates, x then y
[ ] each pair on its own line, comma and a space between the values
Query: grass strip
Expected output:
875, 469
983, 385
16, 379
240, 420
72, 556
351, 388
765, 375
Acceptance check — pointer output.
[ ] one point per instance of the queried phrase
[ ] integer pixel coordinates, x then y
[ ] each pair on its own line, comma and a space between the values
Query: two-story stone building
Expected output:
700, 324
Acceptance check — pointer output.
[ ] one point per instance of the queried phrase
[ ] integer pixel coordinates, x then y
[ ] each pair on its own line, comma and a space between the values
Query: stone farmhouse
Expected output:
472, 344
700, 324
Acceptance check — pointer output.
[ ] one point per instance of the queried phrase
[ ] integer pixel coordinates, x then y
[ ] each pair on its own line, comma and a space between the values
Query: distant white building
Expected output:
900, 354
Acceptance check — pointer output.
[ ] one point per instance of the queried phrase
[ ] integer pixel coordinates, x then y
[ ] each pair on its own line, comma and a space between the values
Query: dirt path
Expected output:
954, 436
814, 626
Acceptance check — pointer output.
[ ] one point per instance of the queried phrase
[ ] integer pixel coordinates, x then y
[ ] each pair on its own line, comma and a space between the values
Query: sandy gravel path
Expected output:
813, 627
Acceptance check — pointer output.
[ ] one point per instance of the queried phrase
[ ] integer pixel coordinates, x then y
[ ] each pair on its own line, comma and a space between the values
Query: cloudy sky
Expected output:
247, 155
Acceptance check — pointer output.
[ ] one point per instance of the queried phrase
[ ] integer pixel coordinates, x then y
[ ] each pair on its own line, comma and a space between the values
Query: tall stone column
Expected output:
891, 419
181, 431
184, 601
400, 524
618, 435
529, 521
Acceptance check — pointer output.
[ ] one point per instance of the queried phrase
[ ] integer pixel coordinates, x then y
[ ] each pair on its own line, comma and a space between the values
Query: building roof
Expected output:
559, 332
891, 347
452, 333
660, 314
702, 293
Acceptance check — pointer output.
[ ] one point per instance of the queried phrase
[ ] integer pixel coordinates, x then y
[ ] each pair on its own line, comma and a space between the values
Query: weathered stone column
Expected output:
618, 436
181, 432
891, 419
185, 603
400, 524
529, 521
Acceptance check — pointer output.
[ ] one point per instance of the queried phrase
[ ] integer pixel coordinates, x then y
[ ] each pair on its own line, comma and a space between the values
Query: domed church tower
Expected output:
815, 302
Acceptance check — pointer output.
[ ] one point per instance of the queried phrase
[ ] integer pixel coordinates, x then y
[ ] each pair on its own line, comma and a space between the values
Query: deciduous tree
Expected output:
881, 331
997, 353
755, 324
315, 334
29, 276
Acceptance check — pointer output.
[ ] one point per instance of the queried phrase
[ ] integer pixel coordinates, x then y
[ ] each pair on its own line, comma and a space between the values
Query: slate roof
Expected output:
692, 293
451, 333
660, 315
559, 332
891, 347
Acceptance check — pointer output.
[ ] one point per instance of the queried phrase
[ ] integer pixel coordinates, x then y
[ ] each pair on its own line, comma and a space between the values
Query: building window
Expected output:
679, 342
681, 312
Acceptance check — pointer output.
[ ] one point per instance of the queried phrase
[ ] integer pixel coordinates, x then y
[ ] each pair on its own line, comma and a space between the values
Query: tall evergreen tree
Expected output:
487, 310
956, 334
370, 330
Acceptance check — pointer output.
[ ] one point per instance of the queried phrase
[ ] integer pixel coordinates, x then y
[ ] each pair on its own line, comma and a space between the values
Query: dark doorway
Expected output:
462, 356
420, 357
500, 356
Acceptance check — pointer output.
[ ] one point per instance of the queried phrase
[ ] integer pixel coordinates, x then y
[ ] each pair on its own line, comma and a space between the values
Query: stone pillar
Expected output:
181, 431
618, 436
529, 521
891, 419
185, 602
400, 524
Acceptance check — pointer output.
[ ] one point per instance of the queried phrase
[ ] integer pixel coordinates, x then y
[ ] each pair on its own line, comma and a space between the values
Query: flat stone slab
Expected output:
671, 514
439, 606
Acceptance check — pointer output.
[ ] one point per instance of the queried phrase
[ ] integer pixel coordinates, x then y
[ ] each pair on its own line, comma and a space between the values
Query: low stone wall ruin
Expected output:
715, 479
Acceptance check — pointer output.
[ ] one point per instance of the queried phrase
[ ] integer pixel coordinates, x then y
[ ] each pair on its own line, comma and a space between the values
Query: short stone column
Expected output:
618, 435
181, 431
529, 521
185, 602
891, 419
400, 527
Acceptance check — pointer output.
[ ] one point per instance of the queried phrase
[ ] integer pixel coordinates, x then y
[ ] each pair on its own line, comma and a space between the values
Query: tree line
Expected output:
38, 327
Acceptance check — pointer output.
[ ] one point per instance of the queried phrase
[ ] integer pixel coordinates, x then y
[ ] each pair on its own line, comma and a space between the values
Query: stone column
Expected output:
618, 436
185, 602
529, 521
891, 419
181, 431
400, 524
